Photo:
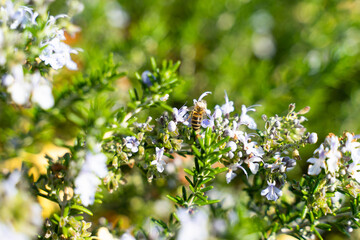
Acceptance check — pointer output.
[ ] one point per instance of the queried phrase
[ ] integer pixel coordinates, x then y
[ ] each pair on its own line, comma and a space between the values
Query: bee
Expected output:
198, 112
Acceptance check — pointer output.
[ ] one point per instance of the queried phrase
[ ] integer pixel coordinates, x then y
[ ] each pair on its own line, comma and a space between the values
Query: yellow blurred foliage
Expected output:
39, 164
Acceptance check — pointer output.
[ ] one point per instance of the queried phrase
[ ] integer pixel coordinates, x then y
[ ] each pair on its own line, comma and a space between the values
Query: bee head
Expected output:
201, 104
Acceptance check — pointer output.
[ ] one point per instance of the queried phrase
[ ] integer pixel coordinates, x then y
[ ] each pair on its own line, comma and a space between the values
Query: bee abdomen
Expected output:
196, 121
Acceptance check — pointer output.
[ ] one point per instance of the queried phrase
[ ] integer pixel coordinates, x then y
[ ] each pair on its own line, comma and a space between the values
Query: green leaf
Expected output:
221, 142
205, 189
188, 171
197, 165
213, 201
324, 226
196, 151
56, 217
175, 199
160, 223
66, 211
199, 195
206, 180
304, 212
82, 209
153, 63
220, 170
188, 179
184, 193
318, 234
208, 138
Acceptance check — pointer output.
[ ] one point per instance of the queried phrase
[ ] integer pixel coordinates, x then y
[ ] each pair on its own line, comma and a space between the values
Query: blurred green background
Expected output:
260, 52
271, 53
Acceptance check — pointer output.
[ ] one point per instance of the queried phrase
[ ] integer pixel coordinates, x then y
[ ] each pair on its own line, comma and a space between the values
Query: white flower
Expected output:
164, 98
7, 231
57, 55
228, 107
230, 175
193, 226
42, 95
18, 88
95, 163
132, 143
86, 185
246, 119
201, 97
20, 92
87, 181
42, 91
217, 112
251, 147
272, 193
318, 163
9, 185
20, 17
127, 236
253, 164
354, 171
333, 154
352, 147
179, 115
158, 161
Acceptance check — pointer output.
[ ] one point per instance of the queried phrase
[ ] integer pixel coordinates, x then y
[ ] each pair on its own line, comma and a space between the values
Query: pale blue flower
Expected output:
132, 143
180, 115
230, 175
158, 161
272, 193
205, 123
317, 163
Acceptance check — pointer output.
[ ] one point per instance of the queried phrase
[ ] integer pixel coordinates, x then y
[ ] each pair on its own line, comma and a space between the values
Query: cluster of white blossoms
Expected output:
24, 43
20, 86
88, 180
13, 225
337, 156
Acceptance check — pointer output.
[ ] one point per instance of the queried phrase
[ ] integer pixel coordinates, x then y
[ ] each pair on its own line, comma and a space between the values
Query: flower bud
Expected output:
291, 107
172, 126
232, 145
145, 77
313, 138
